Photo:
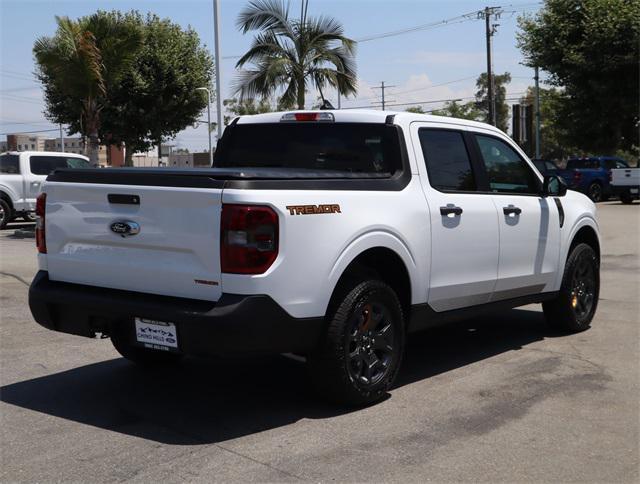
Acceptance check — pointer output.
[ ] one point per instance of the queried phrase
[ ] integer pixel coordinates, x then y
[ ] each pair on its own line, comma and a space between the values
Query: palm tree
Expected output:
85, 58
293, 53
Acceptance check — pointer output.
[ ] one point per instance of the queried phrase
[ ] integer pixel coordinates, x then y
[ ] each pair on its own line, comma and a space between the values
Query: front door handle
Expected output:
512, 209
450, 210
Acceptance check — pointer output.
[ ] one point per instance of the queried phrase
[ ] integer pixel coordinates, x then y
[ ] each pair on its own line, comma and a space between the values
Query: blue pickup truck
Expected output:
592, 175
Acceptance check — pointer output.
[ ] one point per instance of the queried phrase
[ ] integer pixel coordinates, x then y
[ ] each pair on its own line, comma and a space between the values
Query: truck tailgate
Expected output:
176, 252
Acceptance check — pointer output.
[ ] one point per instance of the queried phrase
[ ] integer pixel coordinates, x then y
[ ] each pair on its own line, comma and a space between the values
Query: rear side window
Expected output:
584, 163
506, 171
10, 164
447, 159
44, 165
351, 147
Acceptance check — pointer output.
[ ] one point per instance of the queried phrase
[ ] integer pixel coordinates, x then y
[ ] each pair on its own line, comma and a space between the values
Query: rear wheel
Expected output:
594, 192
142, 356
576, 304
5, 214
363, 349
626, 198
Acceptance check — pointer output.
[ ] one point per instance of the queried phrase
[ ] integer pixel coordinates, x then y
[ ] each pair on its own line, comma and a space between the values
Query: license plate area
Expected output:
156, 335
634, 190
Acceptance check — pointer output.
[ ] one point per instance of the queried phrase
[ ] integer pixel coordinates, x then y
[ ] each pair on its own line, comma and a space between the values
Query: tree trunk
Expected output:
128, 155
301, 93
94, 148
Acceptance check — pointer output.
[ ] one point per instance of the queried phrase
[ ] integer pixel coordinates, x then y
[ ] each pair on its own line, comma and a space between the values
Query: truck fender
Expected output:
584, 221
375, 238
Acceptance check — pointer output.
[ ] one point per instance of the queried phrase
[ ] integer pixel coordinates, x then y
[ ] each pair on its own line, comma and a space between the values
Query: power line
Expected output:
30, 132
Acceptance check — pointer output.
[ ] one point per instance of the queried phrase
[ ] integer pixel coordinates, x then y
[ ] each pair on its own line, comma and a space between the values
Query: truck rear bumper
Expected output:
235, 324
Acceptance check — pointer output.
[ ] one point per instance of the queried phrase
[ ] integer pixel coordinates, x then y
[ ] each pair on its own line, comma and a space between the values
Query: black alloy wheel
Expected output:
583, 287
5, 214
594, 192
575, 306
371, 344
359, 358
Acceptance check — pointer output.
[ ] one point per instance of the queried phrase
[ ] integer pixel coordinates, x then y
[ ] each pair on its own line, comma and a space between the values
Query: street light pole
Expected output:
216, 44
208, 121
537, 110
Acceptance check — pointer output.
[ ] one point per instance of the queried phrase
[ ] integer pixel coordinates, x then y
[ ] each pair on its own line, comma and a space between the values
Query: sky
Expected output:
438, 62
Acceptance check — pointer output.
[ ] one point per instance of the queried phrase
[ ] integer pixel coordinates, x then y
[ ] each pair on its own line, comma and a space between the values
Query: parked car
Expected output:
546, 167
21, 175
329, 234
591, 175
625, 183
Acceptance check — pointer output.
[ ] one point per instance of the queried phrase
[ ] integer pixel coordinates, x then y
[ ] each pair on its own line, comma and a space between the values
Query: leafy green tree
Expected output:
415, 109
80, 65
554, 139
453, 109
245, 107
157, 97
500, 82
590, 48
293, 54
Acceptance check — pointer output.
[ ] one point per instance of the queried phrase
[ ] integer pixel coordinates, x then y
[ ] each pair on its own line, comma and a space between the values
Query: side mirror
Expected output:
554, 186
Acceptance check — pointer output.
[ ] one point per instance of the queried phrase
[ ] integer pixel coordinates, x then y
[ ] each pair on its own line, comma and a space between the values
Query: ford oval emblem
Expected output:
125, 228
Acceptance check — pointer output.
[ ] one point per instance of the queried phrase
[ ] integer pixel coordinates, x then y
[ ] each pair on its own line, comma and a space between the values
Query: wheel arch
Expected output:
390, 262
585, 230
7, 198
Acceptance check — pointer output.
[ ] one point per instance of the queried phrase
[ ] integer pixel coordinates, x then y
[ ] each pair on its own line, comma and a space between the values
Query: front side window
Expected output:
44, 165
447, 159
506, 171
9, 164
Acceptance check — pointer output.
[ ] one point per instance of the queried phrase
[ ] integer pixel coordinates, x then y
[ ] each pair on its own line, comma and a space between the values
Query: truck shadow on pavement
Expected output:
208, 401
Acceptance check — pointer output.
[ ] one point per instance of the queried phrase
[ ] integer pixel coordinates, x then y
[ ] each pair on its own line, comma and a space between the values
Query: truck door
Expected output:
528, 223
464, 223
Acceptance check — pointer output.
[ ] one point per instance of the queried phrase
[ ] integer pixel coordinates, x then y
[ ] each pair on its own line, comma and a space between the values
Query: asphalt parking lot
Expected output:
497, 399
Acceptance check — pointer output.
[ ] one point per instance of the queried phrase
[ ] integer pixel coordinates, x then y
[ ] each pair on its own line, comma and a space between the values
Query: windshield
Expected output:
352, 147
44, 165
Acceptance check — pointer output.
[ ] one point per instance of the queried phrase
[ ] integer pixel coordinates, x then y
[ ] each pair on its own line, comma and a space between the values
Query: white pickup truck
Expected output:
328, 234
625, 182
22, 173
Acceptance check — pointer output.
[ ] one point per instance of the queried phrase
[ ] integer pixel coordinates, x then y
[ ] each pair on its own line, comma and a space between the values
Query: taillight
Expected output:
248, 238
41, 204
577, 176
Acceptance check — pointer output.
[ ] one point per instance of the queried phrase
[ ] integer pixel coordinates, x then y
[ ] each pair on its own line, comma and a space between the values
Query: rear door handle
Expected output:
511, 209
450, 210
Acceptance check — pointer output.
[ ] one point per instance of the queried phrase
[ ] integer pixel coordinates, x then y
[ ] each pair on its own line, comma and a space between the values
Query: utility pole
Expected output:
216, 43
382, 87
61, 140
537, 110
490, 29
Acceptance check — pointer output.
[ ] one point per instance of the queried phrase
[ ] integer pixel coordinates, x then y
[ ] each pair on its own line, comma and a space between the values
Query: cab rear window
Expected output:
44, 165
9, 164
351, 147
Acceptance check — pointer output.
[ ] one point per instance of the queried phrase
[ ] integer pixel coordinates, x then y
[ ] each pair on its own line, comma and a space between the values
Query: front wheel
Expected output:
364, 345
5, 214
575, 306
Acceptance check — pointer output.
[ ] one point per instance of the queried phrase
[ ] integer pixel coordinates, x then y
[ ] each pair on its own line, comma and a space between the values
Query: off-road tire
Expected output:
6, 214
333, 365
626, 198
563, 312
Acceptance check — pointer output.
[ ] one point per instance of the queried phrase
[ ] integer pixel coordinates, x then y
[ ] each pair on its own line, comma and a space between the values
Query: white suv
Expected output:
331, 234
